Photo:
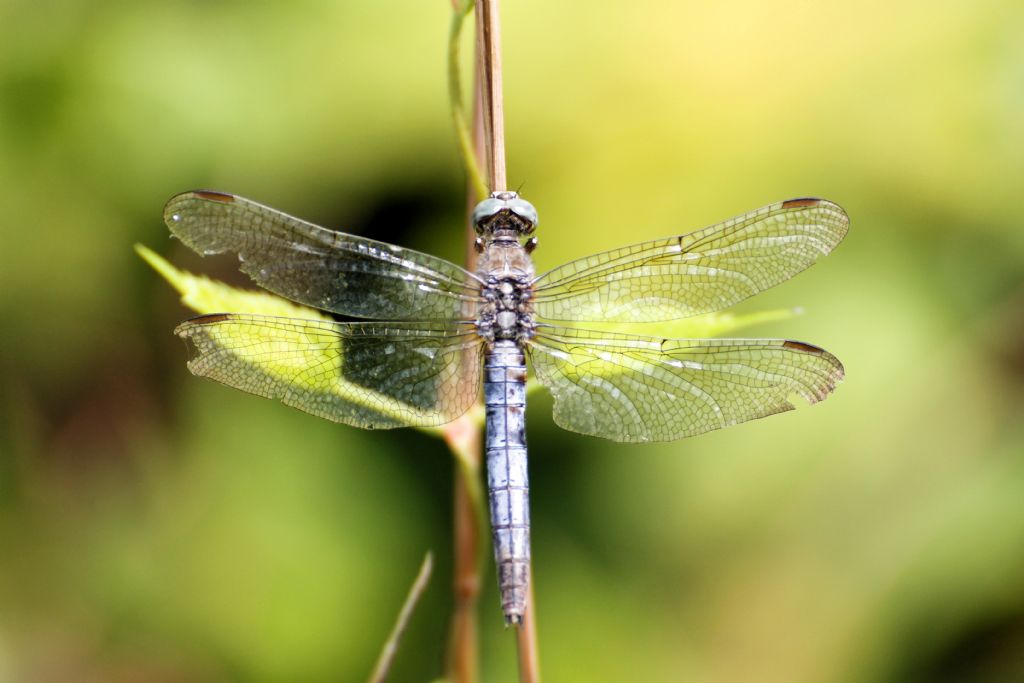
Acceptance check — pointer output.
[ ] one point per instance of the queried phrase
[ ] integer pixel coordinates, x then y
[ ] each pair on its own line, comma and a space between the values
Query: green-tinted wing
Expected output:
701, 272
374, 375
630, 388
322, 268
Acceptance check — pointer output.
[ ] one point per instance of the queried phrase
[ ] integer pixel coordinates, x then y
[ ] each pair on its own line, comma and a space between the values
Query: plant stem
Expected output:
526, 641
469, 160
464, 439
484, 146
489, 43
464, 436
387, 655
490, 82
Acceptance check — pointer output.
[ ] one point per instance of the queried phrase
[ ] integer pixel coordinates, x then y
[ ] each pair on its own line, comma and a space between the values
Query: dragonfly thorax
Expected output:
507, 312
504, 267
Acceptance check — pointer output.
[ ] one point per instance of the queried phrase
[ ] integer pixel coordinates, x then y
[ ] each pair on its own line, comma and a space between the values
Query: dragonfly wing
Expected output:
373, 375
322, 268
632, 388
701, 272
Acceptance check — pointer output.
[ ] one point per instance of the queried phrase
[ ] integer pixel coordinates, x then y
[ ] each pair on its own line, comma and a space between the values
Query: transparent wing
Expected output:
373, 375
630, 388
330, 270
701, 272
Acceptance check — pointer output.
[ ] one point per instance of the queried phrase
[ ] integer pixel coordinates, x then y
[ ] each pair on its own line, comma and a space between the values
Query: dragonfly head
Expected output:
504, 215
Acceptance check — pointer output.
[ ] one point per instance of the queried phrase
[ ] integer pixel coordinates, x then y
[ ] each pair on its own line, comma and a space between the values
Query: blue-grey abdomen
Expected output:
507, 482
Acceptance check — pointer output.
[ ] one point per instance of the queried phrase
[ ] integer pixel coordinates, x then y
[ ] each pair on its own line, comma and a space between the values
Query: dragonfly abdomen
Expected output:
507, 482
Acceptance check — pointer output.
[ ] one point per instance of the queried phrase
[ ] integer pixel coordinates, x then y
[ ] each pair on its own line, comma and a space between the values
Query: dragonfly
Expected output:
428, 333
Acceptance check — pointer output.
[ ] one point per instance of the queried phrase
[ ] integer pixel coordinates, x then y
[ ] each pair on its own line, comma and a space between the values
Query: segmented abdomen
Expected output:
507, 483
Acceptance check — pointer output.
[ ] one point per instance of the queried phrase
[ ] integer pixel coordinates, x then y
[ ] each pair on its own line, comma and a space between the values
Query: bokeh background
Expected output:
156, 527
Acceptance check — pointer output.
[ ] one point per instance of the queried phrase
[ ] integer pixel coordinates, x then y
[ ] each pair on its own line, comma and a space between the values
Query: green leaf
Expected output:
207, 296
703, 326
204, 295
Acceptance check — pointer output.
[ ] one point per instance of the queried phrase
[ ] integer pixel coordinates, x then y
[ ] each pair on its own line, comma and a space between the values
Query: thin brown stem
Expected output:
489, 43
526, 641
489, 79
465, 440
387, 654
484, 146
463, 437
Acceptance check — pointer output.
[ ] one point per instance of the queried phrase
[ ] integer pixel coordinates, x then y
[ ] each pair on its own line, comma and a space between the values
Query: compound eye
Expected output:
524, 210
488, 208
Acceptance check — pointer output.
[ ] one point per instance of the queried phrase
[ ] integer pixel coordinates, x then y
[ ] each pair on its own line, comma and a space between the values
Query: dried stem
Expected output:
526, 641
387, 655
464, 439
489, 80
484, 146
489, 50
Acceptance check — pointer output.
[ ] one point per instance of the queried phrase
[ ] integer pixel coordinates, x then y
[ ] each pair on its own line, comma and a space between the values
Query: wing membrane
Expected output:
632, 388
322, 268
701, 272
371, 375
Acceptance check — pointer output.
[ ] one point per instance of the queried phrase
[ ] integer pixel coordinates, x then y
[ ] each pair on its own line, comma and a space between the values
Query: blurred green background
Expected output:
156, 527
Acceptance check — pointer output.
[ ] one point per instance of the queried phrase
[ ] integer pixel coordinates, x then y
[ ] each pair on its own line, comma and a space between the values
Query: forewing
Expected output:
632, 388
322, 268
373, 375
700, 272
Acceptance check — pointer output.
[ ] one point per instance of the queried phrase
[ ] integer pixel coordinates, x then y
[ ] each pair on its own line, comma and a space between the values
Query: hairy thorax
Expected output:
507, 310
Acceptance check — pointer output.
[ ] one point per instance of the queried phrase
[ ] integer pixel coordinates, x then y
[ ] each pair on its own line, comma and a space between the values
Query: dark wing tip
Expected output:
832, 215
806, 348
184, 329
214, 196
171, 216
801, 202
811, 202
835, 373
